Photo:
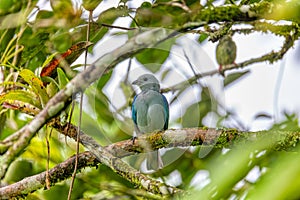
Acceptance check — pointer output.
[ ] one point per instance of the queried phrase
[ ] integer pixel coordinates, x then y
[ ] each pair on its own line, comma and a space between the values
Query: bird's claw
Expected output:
221, 70
133, 139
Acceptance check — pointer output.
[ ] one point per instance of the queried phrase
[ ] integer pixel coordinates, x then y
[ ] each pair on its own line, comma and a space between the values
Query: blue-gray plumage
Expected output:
150, 112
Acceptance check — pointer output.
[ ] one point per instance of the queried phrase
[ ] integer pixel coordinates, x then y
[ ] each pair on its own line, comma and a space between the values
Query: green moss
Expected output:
157, 140
222, 13
289, 140
226, 137
196, 142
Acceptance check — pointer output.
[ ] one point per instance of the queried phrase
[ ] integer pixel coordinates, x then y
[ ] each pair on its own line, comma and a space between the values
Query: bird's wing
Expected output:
166, 109
133, 111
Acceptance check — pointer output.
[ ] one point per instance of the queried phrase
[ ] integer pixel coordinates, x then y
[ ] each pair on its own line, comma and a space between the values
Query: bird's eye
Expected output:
145, 79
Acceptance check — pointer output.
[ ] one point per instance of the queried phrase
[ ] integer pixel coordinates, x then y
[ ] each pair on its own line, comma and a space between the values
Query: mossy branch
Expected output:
224, 138
264, 10
115, 163
58, 173
272, 57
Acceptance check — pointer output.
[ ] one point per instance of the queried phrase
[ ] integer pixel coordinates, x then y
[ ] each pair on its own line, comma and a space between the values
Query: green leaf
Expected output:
231, 78
202, 37
165, 74
49, 59
194, 114
163, 14
35, 51
61, 41
3, 117
111, 14
44, 14
237, 163
153, 58
89, 123
127, 91
20, 95
62, 78
46, 21
191, 117
53, 87
14, 20
140, 18
36, 85
291, 123
62, 6
22, 107
10, 6
90, 5
106, 17
6, 36
284, 170
19, 170
99, 101
11, 83
102, 102
96, 33
59, 191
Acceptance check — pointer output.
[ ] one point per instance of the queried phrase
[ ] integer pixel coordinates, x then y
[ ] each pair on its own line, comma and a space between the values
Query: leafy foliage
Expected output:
35, 40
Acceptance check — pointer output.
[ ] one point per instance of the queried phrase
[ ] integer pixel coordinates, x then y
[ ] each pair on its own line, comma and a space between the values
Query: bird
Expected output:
225, 52
150, 112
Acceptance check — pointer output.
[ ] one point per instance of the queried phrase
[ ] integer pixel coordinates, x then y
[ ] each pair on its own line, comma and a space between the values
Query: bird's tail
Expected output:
154, 161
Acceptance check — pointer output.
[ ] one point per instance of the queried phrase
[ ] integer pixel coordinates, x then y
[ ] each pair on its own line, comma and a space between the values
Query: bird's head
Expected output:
147, 82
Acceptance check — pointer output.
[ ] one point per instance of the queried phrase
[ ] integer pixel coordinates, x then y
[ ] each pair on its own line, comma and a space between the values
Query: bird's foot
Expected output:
221, 70
133, 139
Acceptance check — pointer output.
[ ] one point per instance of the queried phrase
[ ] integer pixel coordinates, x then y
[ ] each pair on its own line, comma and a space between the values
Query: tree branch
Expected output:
115, 163
271, 57
265, 10
185, 137
223, 138
58, 173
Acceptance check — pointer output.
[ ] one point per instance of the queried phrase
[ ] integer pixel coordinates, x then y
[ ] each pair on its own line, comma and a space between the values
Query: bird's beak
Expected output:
136, 82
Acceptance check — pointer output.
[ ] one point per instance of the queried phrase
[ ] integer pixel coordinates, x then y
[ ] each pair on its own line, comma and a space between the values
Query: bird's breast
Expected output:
150, 111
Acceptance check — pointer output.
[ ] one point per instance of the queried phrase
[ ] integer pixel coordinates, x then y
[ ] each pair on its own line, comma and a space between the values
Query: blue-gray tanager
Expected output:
150, 112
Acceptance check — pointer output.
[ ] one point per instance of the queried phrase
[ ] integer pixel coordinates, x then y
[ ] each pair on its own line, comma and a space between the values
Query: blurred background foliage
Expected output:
31, 34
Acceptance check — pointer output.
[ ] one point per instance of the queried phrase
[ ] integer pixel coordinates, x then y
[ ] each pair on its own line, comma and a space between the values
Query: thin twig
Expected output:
80, 109
127, 72
271, 57
190, 81
48, 160
117, 27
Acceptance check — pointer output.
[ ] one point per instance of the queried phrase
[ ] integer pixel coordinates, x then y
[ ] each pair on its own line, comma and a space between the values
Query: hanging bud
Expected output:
90, 5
